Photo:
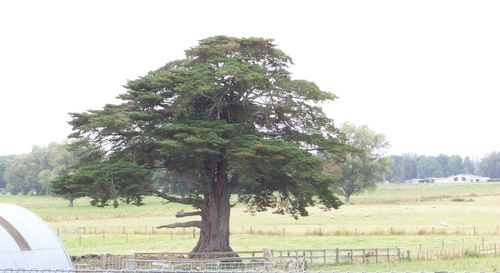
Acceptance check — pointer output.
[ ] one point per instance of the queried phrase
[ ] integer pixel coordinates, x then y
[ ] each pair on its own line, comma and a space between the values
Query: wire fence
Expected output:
450, 253
288, 230
20, 270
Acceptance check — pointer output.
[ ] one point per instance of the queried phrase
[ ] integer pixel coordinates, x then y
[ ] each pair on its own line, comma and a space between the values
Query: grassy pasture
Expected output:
407, 216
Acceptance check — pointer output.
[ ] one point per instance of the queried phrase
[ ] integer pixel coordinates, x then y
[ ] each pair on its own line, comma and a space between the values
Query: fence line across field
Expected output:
477, 250
283, 231
20, 270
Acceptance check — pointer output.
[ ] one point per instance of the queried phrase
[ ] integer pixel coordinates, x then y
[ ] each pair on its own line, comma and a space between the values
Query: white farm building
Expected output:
26, 241
462, 178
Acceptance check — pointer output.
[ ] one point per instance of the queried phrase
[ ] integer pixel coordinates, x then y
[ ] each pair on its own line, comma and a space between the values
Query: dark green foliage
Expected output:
227, 118
228, 111
298, 179
106, 181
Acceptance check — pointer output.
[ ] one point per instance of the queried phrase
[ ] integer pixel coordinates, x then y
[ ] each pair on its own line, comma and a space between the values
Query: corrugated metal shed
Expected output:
26, 241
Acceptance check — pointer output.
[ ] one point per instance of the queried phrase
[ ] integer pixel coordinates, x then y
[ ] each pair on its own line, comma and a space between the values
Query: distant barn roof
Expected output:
469, 176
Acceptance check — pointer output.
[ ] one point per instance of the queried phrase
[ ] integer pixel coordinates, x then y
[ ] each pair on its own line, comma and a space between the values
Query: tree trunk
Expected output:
214, 229
214, 226
347, 197
71, 202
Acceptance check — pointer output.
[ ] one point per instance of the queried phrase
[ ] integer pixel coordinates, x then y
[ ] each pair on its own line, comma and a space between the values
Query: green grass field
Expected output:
411, 217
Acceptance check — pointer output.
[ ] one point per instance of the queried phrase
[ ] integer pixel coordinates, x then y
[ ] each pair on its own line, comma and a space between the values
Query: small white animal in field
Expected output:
443, 224
367, 215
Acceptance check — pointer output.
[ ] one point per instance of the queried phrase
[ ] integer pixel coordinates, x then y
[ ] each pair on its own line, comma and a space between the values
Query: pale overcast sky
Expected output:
424, 73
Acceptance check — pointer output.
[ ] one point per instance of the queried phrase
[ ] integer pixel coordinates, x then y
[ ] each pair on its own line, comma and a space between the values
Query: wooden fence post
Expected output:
337, 256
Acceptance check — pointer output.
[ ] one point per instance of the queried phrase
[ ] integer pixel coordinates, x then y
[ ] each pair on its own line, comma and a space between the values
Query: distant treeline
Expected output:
412, 166
31, 173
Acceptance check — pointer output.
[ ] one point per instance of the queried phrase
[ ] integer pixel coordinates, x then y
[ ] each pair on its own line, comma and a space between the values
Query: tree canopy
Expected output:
4, 160
228, 117
31, 173
490, 165
362, 167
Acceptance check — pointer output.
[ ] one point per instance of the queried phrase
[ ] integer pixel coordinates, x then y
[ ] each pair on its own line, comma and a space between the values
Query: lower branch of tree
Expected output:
180, 200
181, 213
196, 224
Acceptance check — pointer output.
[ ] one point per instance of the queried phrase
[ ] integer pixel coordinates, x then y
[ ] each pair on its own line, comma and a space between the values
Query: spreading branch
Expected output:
181, 213
196, 224
170, 198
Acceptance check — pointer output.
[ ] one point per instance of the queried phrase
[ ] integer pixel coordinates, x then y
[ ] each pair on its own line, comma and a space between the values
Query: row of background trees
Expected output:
413, 166
31, 173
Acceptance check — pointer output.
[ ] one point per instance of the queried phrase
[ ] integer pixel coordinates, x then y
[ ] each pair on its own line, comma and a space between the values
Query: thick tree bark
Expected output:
216, 208
214, 226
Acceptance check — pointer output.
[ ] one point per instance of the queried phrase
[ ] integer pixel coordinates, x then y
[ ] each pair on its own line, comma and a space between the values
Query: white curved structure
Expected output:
26, 241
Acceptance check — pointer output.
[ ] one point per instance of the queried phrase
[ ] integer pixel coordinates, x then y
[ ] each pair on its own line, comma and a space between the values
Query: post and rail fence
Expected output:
262, 259
316, 256
282, 257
